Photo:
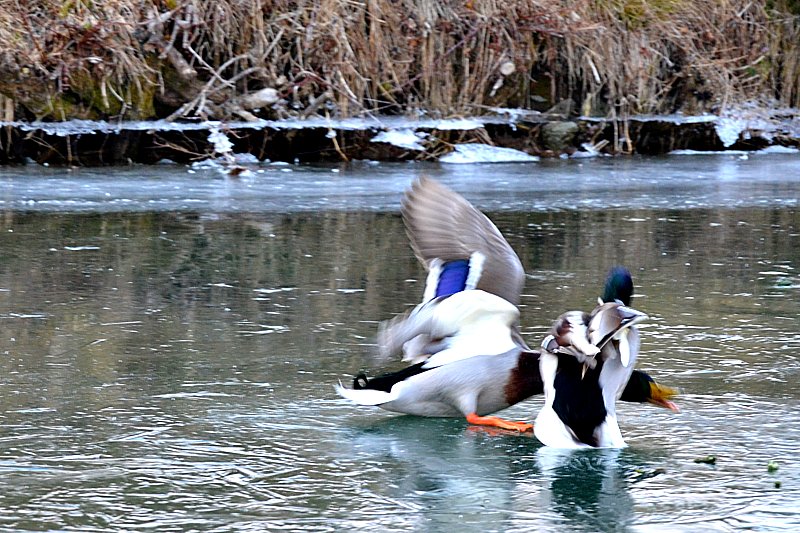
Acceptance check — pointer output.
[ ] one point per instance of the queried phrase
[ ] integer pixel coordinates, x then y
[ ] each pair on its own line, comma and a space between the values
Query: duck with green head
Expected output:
586, 365
465, 352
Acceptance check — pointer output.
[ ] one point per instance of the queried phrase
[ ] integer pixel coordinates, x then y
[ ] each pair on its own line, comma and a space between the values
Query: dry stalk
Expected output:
122, 57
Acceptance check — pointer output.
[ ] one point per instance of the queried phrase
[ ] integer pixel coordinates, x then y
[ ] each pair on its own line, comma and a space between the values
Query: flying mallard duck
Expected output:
463, 341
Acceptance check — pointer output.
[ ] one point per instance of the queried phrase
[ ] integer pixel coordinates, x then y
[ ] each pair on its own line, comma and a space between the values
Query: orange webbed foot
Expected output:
497, 422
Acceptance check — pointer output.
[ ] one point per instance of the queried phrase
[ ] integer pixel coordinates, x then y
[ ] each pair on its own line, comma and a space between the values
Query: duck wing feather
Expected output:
441, 224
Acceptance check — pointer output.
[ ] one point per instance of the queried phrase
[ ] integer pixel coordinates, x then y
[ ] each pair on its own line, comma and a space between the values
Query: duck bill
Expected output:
661, 395
666, 404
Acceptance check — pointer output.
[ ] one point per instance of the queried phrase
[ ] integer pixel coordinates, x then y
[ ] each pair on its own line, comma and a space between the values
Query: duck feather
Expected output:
442, 225
444, 228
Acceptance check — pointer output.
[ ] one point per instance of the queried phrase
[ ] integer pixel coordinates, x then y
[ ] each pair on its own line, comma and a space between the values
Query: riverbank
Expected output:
522, 133
584, 73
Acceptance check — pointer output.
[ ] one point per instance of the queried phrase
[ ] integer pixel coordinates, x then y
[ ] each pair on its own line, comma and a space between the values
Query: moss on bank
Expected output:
192, 58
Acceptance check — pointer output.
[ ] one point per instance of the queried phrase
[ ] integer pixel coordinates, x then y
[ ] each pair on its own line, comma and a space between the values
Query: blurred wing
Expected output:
570, 336
613, 322
442, 225
460, 326
472, 323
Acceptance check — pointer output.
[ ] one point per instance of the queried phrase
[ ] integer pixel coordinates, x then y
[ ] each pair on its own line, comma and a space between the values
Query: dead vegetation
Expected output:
243, 59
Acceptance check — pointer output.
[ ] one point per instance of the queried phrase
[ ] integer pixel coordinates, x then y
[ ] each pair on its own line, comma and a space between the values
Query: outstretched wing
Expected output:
444, 227
462, 250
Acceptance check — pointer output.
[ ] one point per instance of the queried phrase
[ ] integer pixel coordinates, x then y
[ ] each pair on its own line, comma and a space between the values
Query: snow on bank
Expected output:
222, 145
770, 123
730, 125
406, 138
755, 120
728, 130
776, 149
85, 127
484, 153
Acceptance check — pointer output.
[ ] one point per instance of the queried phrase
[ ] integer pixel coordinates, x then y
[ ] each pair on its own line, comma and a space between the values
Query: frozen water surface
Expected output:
170, 337
723, 179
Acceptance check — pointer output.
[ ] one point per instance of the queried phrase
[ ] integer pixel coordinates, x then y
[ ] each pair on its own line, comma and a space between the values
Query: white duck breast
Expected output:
548, 427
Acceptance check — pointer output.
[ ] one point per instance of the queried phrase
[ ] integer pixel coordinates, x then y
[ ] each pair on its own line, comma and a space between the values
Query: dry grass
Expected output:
140, 58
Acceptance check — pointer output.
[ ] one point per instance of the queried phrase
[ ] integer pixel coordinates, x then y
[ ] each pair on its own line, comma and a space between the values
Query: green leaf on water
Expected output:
708, 459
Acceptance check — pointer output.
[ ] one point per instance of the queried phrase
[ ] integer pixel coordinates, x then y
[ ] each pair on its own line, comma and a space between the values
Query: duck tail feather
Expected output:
364, 396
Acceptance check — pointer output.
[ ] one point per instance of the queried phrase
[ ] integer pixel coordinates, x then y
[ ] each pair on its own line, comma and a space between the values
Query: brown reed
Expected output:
194, 58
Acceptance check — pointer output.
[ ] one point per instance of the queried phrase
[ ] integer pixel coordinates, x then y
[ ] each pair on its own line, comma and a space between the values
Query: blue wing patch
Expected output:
453, 277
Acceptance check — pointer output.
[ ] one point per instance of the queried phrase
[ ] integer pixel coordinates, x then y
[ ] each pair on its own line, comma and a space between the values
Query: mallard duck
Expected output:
587, 364
463, 341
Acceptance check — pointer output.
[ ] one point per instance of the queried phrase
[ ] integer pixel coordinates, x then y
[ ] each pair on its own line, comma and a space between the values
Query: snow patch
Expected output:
757, 119
220, 141
456, 124
86, 127
246, 159
707, 152
728, 129
208, 164
408, 139
776, 149
484, 153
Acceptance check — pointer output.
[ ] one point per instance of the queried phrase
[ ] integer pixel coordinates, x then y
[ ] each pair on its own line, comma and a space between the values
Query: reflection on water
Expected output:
588, 489
174, 371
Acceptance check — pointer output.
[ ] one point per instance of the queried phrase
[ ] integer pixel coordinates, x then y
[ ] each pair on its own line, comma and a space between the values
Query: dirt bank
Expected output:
388, 138
250, 60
